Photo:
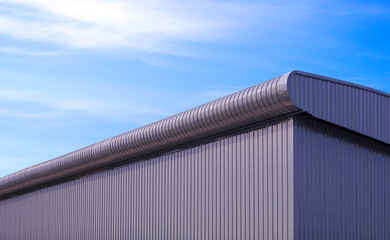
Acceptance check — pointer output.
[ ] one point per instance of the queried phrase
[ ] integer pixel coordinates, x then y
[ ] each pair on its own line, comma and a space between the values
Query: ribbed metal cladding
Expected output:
341, 184
234, 187
352, 106
257, 103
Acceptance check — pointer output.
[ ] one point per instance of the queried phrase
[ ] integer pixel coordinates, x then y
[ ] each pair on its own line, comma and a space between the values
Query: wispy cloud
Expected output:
369, 81
61, 101
38, 104
21, 51
217, 93
11, 164
12, 113
148, 25
154, 26
374, 55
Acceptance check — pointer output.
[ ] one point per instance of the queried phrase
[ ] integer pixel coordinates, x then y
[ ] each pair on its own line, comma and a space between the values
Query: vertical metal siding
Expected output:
342, 184
357, 108
236, 187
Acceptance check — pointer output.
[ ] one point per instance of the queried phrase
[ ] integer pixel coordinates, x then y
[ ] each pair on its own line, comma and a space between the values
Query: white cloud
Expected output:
21, 51
12, 113
106, 102
148, 25
9, 164
218, 93
12, 164
47, 105
159, 26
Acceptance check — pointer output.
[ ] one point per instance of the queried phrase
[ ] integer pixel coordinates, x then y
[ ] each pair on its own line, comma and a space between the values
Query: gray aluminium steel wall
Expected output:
235, 187
341, 183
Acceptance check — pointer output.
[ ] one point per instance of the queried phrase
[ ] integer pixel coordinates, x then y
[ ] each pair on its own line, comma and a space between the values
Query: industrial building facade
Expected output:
300, 156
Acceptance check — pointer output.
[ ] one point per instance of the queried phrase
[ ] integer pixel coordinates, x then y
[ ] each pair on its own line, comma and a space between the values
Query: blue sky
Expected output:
76, 72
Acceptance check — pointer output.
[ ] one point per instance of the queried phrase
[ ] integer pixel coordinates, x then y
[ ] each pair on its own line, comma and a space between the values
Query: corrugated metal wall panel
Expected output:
342, 183
355, 107
237, 187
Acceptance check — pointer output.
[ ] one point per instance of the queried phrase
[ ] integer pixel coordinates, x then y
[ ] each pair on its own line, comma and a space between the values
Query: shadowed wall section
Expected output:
342, 183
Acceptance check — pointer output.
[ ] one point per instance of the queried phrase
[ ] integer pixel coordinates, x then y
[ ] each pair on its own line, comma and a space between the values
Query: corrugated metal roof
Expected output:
352, 106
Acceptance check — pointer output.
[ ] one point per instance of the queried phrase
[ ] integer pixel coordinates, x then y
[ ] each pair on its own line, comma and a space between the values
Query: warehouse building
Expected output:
300, 156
